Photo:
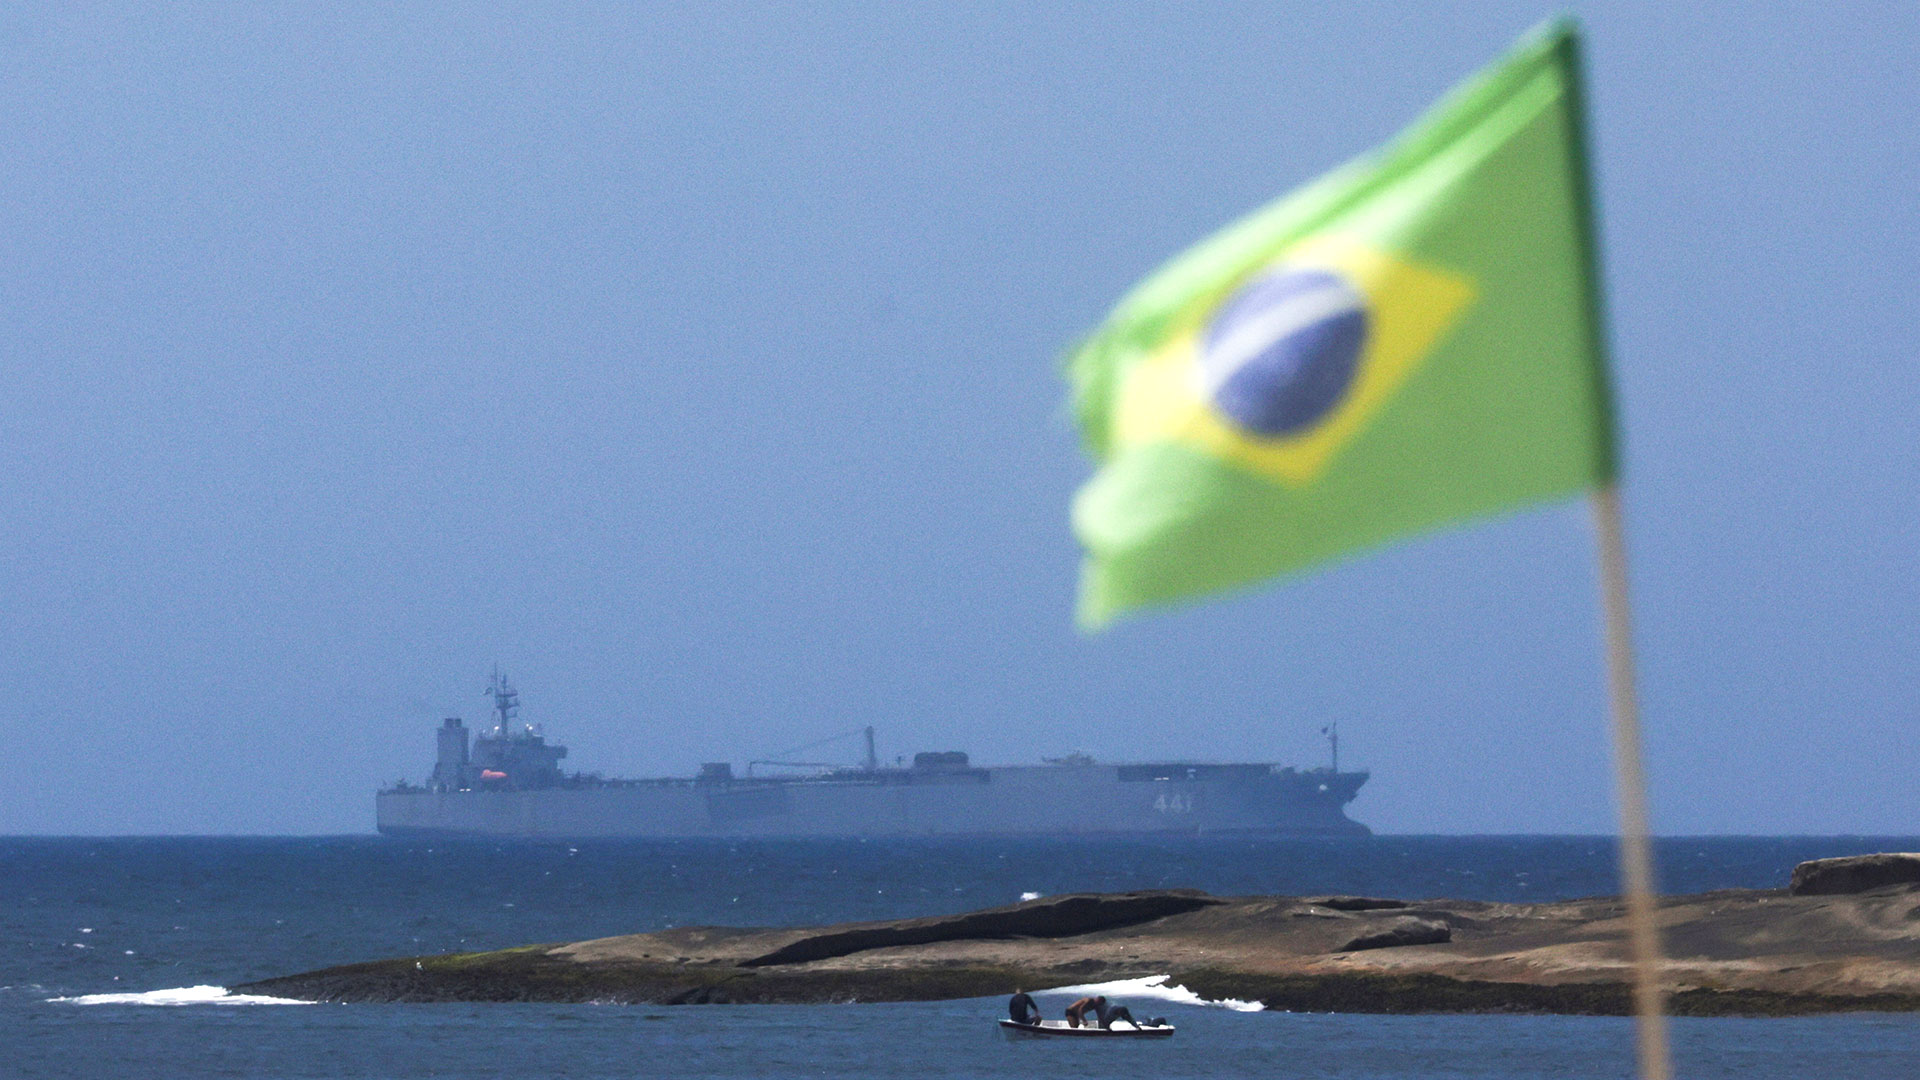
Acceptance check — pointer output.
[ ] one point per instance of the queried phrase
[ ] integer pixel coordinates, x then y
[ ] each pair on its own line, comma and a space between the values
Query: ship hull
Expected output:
1007, 801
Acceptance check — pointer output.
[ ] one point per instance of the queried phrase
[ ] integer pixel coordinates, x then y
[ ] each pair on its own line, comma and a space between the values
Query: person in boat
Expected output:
1022, 1009
1117, 1012
1077, 1012
1104, 1011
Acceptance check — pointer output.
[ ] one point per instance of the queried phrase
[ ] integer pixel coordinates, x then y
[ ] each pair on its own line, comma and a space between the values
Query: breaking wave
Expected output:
1155, 988
179, 995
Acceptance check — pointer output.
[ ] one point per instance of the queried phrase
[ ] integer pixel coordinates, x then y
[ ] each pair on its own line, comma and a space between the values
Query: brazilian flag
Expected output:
1410, 340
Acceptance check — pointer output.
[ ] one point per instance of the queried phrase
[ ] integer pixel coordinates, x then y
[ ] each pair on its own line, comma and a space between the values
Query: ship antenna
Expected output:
1332, 732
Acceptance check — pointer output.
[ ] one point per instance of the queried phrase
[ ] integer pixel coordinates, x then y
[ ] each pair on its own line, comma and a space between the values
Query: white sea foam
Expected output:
179, 995
1153, 988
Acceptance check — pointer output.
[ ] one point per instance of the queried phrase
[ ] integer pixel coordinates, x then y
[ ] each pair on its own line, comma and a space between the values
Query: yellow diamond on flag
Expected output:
1279, 374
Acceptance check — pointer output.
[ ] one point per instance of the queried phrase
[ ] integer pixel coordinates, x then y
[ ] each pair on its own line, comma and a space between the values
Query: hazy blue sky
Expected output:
697, 364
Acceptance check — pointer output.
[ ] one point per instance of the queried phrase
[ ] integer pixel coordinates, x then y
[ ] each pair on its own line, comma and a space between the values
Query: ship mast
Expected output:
506, 703
1332, 732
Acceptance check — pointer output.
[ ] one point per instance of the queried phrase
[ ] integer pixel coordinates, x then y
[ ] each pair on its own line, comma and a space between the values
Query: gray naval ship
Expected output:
507, 782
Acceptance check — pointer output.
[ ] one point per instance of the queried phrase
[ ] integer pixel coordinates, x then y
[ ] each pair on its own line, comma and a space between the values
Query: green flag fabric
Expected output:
1410, 340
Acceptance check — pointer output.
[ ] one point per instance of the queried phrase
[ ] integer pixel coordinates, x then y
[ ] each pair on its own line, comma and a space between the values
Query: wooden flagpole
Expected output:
1636, 856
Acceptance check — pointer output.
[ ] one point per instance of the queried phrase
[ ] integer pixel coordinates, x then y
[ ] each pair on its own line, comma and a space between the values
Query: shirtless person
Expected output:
1106, 1013
1077, 1011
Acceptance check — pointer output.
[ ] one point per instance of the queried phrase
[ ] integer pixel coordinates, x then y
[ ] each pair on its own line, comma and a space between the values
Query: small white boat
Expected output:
1060, 1028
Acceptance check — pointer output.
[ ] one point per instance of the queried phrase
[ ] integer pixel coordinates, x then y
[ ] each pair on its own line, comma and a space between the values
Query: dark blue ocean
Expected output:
153, 919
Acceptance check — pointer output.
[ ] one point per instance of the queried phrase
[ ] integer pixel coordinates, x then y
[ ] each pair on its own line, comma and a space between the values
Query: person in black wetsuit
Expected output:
1105, 1011
1022, 1010
1117, 1012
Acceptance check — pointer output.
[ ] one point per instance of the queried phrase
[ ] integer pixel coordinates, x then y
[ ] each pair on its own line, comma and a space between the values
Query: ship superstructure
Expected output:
508, 783
507, 756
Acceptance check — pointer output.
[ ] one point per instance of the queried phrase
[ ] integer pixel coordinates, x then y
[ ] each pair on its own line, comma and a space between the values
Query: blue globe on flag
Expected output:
1283, 351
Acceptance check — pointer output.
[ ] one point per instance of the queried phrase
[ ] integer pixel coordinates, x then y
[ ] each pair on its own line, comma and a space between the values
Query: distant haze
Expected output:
698, 365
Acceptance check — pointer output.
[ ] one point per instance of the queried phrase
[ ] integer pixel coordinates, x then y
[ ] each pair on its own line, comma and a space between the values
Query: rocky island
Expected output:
1845, 935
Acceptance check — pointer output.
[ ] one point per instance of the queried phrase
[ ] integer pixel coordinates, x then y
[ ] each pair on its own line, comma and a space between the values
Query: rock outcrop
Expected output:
1745, 952
1855, 874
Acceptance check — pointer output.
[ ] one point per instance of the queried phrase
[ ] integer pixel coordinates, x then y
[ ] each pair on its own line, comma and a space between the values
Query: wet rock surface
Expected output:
1055, 917
1359, 903
1403, 931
